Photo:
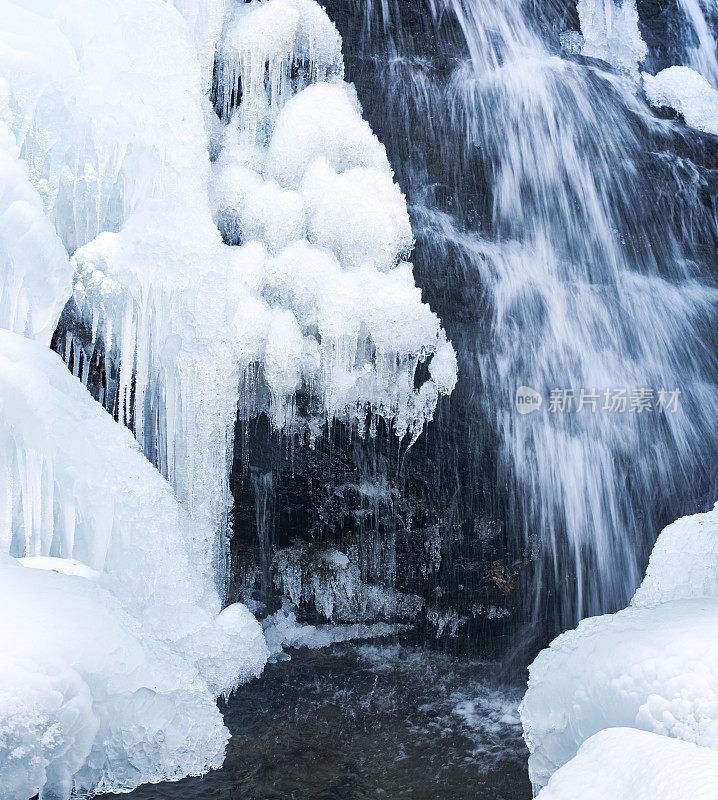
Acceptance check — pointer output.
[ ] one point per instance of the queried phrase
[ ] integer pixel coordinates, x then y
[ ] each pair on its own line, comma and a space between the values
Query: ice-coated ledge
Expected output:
652, 666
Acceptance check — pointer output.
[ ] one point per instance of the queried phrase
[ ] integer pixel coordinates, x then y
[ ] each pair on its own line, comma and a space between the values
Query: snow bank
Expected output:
686, 91
88, 700
626, 764
652, 666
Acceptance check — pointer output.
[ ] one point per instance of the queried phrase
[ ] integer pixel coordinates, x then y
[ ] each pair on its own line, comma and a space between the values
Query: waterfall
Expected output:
703, 53
575, 261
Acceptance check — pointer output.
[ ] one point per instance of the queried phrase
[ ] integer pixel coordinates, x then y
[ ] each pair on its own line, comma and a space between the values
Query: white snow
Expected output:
88, 699
684, 562
686, 91
610, 32
626, 764
652, 666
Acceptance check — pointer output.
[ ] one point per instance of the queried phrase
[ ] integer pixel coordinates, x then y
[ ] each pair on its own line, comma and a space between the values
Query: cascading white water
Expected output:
703, 54
576, 306
583, 283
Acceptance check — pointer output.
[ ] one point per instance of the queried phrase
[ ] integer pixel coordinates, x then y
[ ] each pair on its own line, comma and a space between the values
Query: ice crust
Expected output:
686, 91
627, 764
652, 666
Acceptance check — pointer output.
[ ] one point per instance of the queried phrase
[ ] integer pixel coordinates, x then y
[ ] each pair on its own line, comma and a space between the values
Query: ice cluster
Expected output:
330, 583
304, 295
610, 32
652, 666
627, 764
686, 91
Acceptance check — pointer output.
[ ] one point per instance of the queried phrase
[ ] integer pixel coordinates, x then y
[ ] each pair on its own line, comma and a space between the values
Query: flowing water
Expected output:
565, 239
360, 722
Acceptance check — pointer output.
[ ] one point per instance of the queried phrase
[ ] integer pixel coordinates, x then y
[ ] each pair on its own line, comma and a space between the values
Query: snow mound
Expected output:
684, 562
323, 121
88, 700
686, 91
653, 668
35, 268
626, 764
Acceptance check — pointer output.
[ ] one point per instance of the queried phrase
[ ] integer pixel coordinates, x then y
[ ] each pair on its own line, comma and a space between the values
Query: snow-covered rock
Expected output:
683, 563
652, 666
89, 699
686, 91
627, 764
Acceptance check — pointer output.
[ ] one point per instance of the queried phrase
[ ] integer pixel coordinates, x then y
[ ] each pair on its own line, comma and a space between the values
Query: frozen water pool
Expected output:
353, 722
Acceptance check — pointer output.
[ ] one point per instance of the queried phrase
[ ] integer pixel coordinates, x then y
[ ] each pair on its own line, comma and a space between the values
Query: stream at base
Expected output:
365, 721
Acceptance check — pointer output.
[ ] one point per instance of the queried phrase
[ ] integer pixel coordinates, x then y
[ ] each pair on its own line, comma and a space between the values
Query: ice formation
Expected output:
610, 32
88, 700
652, 666
684, 562
115, 648
626, 764
282, 630
316, 301
241, 252
330, 583
686, 91
36, 274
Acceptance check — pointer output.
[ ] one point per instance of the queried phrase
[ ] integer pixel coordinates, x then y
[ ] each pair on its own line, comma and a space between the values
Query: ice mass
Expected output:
271, 274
